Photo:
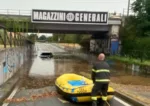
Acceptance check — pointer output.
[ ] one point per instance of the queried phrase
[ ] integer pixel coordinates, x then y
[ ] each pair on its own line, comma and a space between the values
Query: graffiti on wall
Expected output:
100, 45
11, 60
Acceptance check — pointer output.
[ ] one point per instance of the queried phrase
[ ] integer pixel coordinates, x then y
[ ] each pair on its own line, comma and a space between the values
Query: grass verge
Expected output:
130, 60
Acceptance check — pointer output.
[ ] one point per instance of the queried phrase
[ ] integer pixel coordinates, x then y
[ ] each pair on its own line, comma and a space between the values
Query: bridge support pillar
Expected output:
106, 42
115, 46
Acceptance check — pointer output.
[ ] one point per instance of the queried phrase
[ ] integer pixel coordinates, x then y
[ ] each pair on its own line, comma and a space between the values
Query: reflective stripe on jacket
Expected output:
100, 72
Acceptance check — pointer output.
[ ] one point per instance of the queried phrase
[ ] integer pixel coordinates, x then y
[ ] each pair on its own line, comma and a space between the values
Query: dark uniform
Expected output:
101, 79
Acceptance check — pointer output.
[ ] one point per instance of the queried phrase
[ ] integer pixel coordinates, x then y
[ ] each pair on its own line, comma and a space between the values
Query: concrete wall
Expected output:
11, 60
110, 45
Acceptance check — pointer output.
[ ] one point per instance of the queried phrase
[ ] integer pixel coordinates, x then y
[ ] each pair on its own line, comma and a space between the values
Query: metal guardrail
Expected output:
15, 12
28, 13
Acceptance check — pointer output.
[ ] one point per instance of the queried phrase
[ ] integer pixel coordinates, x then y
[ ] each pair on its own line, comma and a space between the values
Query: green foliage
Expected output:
135, 34
142, 9
85, 42
18, 25
55, 37
50, 39
32, 37
68, 38
137, 48
2, 35
129, 60
42, 37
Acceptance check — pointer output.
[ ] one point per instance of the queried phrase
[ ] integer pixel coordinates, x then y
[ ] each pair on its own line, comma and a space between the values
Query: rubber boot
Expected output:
94, 103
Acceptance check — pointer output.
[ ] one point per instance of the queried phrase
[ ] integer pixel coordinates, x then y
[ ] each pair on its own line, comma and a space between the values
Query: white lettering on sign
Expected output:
81, 17
77, 17
93, 17
35, 14
44, 16
89, 18
49, 16
85, 17
105, 17
40, 16
55, 15
70, 16
62, 16
102, 18
98, 18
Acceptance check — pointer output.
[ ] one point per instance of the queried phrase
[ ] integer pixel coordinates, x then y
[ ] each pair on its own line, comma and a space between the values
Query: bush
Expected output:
136, 48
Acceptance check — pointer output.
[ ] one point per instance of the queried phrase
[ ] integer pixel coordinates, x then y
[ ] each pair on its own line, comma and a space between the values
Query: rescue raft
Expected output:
77, 88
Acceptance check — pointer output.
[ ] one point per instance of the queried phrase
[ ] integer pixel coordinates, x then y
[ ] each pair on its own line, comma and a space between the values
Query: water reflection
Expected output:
69, 65
42, 67
118, 68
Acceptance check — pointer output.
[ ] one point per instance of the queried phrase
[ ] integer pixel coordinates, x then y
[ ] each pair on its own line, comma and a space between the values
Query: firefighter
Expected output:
101, 79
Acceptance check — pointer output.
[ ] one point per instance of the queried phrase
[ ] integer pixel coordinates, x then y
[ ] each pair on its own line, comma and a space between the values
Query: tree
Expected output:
55, 37
142, 10
42, 37
85, 42
1, 36
32, 37
135, 33
50, 39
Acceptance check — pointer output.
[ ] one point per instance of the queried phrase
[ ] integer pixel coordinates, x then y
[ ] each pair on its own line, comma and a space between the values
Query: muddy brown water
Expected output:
61, 66
57, 67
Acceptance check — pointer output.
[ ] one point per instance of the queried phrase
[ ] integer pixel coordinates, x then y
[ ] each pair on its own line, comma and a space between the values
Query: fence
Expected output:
15, 12
29, 12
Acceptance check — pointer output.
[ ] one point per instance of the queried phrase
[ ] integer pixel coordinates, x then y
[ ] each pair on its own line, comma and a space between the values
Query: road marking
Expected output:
122, 102
12, 95
63, 101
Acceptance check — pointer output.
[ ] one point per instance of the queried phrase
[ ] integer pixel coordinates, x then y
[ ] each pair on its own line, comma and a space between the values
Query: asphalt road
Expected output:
49, 101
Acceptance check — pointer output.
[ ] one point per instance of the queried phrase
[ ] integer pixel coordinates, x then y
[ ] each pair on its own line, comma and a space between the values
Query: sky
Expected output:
77, 5
40, 34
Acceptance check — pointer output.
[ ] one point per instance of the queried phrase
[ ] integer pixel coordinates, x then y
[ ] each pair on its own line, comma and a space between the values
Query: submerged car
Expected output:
46, 55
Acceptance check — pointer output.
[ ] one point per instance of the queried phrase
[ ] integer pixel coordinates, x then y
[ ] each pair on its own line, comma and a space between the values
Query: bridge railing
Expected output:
28, 13
15, 12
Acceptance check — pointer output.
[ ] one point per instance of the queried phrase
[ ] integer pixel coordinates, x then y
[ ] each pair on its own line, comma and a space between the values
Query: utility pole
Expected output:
123, 17
123, 12
128, 8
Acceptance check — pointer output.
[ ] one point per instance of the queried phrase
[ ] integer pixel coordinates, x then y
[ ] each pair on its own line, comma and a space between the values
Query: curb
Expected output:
129, 99
9, 92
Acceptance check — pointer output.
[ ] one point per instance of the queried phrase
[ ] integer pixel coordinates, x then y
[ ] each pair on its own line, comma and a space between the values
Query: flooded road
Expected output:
53, 67
44, 67
50, 69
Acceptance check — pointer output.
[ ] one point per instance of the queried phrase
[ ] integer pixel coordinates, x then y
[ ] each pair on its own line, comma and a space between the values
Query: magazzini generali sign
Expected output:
71, 17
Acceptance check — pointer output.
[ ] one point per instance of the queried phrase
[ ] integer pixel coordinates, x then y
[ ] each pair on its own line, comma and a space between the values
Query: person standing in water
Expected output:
101, 78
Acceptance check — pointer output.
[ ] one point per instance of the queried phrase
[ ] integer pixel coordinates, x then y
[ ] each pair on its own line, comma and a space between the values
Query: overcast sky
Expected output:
88, 5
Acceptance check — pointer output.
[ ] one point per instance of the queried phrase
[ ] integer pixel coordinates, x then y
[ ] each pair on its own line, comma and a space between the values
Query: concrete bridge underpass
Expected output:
103, 26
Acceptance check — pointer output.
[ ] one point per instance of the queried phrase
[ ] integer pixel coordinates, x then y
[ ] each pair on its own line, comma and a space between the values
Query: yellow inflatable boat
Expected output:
77, 88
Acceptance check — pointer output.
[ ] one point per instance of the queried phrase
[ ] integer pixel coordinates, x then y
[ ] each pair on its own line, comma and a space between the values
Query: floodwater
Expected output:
42, 67
72, 65
50, 69
44, 72
55, 67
